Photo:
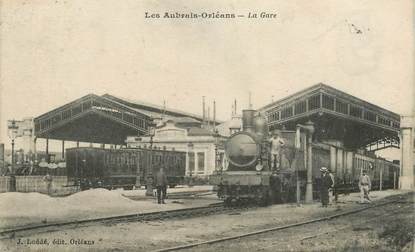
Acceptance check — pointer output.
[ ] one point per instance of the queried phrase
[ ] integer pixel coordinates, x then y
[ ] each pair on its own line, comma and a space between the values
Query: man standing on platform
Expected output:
276, 143
364, 185
161, 185
48, 181
325, 185
332, 190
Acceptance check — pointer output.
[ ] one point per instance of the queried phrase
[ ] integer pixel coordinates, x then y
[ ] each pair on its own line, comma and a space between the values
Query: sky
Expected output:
53, 52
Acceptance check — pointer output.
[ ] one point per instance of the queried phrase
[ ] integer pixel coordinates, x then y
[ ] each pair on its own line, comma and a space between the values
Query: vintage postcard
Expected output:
207, 125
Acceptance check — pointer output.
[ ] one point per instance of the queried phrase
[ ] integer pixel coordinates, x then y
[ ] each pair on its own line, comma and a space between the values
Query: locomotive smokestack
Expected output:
248, 120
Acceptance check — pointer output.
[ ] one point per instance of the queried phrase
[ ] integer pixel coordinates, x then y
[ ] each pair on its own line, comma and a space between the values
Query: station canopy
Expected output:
102, 119
336, 116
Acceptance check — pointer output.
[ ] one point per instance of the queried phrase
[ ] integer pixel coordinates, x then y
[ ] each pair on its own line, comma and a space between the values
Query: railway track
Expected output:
282, 227
217, 208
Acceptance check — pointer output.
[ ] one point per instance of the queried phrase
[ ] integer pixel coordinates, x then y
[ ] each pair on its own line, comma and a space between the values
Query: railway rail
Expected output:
267, 230
216, 208
361, 224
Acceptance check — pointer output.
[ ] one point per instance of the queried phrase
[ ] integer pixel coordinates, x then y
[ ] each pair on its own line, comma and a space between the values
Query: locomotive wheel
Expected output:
228, 202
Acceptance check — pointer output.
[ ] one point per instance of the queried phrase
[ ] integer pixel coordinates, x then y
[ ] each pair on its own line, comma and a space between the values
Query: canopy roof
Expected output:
336, 115
102, 119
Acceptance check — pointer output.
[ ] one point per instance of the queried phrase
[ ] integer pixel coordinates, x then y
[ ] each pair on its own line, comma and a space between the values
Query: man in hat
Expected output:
276, 144
364, 186
326, 183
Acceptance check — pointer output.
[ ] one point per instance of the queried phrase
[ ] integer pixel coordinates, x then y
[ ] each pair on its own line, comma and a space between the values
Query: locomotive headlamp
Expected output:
259, 167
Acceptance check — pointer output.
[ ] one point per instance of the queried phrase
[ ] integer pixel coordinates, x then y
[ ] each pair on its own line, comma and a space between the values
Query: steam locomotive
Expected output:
249, 175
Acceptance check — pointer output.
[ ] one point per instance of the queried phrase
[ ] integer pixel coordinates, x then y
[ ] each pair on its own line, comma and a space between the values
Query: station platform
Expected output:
23, 209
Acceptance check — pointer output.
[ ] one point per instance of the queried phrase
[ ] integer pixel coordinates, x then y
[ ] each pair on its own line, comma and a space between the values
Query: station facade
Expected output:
203, 147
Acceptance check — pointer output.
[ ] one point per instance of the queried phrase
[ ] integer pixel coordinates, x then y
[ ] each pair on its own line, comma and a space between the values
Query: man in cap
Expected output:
364, 186
326, 183
276, 143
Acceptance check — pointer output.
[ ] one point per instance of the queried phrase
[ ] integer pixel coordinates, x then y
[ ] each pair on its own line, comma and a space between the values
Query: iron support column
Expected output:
63, 149
149, 191
47, 150
12, 171
35, 150
406, 178
309, 185
380, 177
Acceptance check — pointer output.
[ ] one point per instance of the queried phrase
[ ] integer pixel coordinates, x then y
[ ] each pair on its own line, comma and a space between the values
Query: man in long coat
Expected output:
326, 184
161, 185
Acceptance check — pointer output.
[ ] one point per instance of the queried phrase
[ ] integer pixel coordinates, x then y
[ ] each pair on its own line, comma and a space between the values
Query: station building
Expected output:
203, 146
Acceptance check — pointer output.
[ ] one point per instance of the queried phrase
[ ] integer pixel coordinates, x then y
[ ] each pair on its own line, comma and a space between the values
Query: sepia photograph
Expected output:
207, 125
